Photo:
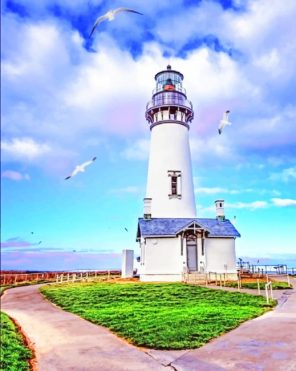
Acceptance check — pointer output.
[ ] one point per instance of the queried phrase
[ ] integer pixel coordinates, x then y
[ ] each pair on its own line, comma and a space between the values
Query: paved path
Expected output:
267, 343
64, 341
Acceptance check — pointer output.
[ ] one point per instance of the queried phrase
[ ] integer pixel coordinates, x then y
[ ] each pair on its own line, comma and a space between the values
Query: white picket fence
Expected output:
84, 277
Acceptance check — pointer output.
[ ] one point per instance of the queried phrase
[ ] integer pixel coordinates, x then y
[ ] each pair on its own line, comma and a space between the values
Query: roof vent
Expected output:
169, 67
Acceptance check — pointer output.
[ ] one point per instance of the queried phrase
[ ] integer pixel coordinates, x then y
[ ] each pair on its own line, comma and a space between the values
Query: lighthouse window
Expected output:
175, 184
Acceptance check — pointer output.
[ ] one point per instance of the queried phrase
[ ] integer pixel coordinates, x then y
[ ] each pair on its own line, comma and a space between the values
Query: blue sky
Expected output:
67, 98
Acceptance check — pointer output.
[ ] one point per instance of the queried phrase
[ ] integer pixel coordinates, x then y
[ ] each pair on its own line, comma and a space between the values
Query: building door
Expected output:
191, 255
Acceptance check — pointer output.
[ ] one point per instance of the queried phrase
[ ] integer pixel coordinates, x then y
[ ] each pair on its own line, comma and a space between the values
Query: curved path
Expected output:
64, 341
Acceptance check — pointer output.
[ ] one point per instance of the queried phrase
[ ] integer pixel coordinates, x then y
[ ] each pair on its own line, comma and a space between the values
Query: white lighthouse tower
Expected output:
172, 239
170, 192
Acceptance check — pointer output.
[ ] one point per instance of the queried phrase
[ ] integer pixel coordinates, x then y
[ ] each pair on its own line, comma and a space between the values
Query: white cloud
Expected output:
60, 93
247, 205
24, 147
14, 175
215, 190
285, 175
138, 150
283, 202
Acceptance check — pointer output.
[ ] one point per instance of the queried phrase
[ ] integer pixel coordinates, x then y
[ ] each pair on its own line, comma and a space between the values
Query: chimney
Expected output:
147, 208
220, 210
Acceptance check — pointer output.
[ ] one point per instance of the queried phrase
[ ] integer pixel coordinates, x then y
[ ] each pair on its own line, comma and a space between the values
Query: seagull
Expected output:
80, 168
39, 242
126, 229
110, 16
224, 122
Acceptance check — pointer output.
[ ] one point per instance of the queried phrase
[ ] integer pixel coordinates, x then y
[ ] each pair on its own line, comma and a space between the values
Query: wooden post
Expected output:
108, 275
266, 293
258, 286
15, 279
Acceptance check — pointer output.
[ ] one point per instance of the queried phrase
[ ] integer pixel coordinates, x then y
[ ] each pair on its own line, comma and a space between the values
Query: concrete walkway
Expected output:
64, 341
267, 343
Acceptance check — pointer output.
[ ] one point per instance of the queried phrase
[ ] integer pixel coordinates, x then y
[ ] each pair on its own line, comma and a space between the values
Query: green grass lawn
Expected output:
14, 355
160, 316
253, 285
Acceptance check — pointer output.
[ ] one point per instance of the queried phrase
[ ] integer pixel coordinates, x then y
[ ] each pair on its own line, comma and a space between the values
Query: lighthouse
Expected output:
172, 240
170, 191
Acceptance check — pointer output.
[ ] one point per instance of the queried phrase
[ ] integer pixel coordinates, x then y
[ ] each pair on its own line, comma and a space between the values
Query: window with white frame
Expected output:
175, 184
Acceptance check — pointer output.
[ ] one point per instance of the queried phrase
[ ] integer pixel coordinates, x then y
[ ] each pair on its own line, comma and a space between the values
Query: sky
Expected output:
67, 98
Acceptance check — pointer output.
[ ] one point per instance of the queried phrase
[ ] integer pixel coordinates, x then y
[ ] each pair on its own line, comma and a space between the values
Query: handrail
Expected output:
186, 104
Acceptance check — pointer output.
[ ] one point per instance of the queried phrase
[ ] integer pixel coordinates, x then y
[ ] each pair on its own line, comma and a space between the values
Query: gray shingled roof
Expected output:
173, 226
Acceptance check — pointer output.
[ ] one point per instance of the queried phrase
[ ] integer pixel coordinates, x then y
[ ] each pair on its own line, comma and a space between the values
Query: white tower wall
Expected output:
170, 151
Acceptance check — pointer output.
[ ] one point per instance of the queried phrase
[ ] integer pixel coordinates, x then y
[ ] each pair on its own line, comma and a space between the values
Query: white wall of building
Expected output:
220, 255
161, 259
169, 150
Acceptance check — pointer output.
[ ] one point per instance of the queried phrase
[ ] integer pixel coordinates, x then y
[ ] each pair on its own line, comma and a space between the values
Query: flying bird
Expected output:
39, 242
110, 16
80, 168
224, 122
126, 229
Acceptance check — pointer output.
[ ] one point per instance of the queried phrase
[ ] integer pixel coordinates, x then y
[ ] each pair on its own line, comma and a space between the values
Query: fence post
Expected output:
15, 279
266, 291
239, 283
266, 294
258, 286
288, 279
108, 275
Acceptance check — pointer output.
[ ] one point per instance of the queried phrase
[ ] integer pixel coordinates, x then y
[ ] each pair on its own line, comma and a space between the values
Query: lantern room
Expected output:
169, 101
